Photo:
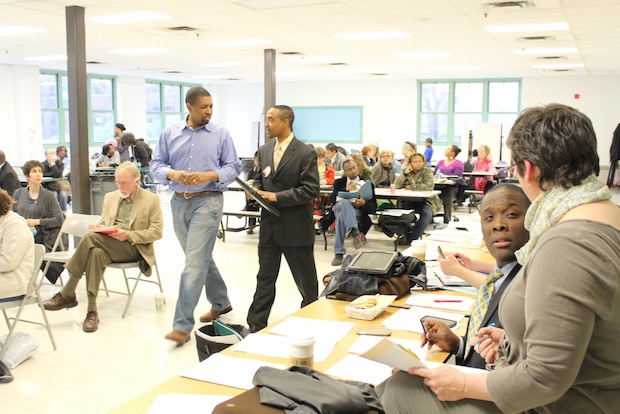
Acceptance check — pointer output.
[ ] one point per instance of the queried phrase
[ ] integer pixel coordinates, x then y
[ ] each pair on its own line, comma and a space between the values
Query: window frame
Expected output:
163, 114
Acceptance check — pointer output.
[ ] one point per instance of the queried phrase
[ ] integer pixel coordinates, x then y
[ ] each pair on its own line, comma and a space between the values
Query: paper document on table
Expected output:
396, 212
293, 325
365, 342
356, 368
447, 280
409, 319
278, 346
394, 355
226, 370
448, 302
170, 403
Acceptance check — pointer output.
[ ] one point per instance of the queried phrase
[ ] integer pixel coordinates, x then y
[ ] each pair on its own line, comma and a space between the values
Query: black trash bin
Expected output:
208, 342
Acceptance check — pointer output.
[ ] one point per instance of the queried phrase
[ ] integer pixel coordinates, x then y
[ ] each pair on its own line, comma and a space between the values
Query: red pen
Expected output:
448, 300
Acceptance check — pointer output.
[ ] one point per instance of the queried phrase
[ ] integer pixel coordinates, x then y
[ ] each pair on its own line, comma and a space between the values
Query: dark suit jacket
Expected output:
474, 359
369, 208
296, 184
8, 179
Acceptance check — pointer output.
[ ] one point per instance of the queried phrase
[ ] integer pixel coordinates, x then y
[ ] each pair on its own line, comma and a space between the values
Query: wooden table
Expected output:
325, 309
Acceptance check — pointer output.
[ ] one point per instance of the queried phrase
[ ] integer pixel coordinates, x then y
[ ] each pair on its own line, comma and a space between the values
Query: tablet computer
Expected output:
267, 205
373, 262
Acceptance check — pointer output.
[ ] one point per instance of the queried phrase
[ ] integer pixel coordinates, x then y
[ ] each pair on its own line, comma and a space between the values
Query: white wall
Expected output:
131, 105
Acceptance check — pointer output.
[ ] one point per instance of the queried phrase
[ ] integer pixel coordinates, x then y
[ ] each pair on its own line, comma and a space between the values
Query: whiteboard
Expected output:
328, 123
489, 134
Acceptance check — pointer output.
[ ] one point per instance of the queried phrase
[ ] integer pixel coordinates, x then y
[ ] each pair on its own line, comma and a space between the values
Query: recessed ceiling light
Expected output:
543, 27
241, 43
48, 58
550, 51
372, 35
278, 4
19, 30
456, 68
125, 18
423, 55
139, 51
222, 64
560, 66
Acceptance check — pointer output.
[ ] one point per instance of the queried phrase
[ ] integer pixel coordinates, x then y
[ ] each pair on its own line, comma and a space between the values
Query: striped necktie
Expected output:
480, 306
277, 156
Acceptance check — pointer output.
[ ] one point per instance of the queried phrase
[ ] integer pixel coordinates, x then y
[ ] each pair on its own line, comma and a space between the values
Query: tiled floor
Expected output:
93, 373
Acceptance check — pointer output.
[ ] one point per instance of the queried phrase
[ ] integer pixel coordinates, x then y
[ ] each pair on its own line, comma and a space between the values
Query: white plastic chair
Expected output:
32, 297
74, 225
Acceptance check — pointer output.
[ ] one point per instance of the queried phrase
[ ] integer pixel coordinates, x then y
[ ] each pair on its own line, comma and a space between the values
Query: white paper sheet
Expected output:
226, 370
433, 300
171, 403
365, 342
355, 368
278, 346
293, 325
409, 319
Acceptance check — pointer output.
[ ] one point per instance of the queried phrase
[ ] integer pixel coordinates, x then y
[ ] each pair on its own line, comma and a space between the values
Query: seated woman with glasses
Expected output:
383, 173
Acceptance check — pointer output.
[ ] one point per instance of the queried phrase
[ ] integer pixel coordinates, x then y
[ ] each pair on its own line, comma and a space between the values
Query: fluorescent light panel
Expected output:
125, 18
48, 58
139, 51
372, 35
512, 28
241, 43
18, 30
423, 55
549, 51
279, 4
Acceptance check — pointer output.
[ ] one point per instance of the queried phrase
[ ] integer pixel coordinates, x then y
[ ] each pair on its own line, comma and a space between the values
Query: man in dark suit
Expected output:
503, 213
8, 177
288, 177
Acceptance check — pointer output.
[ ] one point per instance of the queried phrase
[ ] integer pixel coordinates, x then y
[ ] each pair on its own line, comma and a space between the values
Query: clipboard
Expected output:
267, 205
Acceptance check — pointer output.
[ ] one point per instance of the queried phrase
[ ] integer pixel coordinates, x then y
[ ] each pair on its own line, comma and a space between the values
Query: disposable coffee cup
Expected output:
392, 188
418, 249
302, 350
160, 302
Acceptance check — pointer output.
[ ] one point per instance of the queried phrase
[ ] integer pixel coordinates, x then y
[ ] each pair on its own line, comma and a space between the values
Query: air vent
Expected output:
337, 64
537, 39
291, 53
509, 5
93, 62
172, 71
551, 58
378, 74
232, 79
558, 70
182, 29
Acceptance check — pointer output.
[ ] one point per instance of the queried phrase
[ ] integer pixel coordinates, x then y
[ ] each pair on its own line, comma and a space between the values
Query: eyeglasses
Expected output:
350, 169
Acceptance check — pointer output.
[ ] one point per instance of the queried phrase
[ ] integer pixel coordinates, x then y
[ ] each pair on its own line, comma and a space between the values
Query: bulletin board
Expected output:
328, 123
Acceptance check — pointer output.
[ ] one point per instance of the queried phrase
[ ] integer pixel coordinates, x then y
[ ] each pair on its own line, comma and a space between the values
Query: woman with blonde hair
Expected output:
363, 169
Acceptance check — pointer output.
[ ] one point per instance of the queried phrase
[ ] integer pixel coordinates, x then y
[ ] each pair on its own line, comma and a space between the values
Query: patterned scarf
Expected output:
550, 206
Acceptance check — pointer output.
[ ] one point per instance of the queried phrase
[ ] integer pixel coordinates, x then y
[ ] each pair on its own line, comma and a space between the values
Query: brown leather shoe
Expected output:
178, 336
213, 314
58, 301
91, 321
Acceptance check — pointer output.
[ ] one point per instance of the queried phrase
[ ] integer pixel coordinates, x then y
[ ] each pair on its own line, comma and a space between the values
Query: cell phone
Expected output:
374, 331
443, 256
448, 322
462, 228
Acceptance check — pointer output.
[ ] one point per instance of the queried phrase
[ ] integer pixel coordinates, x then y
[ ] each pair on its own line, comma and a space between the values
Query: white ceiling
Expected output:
454, 26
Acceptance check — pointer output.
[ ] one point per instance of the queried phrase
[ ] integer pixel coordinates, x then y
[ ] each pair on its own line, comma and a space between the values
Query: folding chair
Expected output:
138, 279
32, 297
74, 225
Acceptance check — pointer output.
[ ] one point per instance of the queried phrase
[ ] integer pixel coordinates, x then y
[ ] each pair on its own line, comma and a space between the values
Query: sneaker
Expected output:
337, 260
58, 301
363, 238
357, 241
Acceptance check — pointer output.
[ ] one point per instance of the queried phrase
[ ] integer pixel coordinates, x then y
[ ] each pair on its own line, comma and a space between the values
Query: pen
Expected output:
443, 256
448, 301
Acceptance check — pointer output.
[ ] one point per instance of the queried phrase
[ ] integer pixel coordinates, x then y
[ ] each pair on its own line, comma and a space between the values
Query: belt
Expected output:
187, 195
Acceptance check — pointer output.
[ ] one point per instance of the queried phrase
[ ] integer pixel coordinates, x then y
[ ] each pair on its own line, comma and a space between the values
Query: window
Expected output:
54, 90
449, 109
165, 105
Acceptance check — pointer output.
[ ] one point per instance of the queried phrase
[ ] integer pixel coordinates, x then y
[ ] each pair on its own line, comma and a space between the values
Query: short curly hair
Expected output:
5, 202
29, 165
559, 140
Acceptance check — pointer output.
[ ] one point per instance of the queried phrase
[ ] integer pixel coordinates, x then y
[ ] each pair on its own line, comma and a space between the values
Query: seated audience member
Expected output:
41, 210
362, 169
8, 176
352, 218
428, 151
484, 164
16, 251
558, 349
503, 213
408, 149
419, 178
454, 167
383, 171
136, 213
334, 157
326, 171
54, 167
109, 157
140, 150
63, 155
368, 156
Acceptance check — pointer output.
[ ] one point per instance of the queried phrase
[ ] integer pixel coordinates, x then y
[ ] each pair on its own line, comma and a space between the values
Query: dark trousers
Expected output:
300, 260
448, 196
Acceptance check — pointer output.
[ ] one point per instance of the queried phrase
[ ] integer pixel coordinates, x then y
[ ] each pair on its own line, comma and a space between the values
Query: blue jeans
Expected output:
196, 221
347, 218
426, 216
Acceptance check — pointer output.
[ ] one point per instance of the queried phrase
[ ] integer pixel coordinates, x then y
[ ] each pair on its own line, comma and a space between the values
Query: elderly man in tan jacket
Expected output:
131, 221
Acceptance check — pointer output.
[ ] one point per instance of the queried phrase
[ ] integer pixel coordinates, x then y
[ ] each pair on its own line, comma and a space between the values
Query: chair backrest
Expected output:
75, 225
39, 251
